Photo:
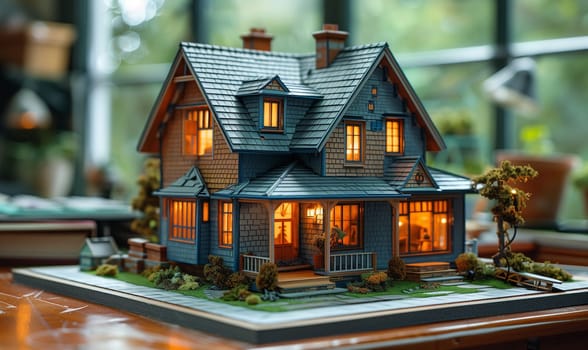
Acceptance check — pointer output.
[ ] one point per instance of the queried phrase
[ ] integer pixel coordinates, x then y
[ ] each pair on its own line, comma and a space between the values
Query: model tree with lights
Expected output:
497, 185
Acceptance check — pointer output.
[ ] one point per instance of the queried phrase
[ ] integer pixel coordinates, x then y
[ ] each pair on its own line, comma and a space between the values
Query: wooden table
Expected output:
33, 319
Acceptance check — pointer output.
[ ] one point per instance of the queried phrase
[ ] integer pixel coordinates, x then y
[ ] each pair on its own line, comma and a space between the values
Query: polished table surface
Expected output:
34, 319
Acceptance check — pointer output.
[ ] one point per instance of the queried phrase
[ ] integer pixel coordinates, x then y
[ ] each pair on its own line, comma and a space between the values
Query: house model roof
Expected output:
225, 75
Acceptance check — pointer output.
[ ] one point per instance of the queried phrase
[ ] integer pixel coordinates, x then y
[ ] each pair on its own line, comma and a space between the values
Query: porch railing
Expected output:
349, 262
252, 263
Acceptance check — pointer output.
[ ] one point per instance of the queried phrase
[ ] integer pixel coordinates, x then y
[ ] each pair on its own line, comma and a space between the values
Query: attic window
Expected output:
197, 132
394, 136
273, 114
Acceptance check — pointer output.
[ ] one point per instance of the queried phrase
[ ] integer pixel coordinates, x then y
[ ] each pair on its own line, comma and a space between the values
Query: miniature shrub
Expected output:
375, 281
167, 278
267, 278
238, 293
107, 270
466, 262
236, 279
354, 288
216, 273
472, 267
253, 299
150, 272
519, 262
396, 269
549, 270
188, 282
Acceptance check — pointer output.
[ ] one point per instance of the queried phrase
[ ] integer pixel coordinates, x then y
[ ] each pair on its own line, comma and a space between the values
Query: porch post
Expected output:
328, 206
395, 237
270, 207
236, 235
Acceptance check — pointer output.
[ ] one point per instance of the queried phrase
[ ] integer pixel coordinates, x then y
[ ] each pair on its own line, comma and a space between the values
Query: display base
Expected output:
258, 327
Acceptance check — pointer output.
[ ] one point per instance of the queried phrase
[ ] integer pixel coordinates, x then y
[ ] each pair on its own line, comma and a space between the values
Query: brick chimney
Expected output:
329, 42
257, 39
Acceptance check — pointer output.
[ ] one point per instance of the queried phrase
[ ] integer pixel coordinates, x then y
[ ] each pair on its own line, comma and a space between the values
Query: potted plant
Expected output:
319, 257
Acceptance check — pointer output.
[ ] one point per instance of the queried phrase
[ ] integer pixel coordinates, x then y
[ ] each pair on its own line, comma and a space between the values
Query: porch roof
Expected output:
295, 182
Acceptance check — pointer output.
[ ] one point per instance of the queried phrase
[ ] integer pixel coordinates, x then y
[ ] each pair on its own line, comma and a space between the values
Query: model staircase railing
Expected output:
252, 263
349, 262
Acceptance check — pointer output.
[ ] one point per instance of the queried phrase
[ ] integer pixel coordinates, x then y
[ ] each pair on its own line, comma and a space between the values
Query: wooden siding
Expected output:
218, 170
373, 155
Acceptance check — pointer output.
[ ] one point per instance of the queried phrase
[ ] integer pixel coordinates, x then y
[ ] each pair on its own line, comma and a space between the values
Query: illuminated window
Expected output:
424, 226
283, 224
182, 221
346, 227
394, 136
197, 132
273, 114
205, 212
225, 228
354, 142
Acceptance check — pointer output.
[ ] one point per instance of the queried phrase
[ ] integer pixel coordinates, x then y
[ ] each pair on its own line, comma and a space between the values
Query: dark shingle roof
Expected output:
189, 185
221, 73
401, 171
296, 181
451, 182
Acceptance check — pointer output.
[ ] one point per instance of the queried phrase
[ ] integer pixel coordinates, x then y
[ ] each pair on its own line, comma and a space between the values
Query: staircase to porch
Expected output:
304, 282
432, 272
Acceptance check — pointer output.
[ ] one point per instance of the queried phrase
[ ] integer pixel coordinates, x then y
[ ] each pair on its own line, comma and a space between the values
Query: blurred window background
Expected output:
448, 48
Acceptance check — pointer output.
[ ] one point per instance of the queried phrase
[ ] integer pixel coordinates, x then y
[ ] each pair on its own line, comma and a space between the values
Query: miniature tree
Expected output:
496, 184
145, 202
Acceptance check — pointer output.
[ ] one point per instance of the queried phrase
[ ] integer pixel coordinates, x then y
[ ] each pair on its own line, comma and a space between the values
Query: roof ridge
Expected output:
281, 178
247, 51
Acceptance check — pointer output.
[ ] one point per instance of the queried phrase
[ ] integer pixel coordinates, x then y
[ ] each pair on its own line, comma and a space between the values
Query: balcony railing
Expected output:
350, 262
252, 263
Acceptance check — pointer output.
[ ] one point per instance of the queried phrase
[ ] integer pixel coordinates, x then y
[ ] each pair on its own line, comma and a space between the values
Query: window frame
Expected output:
389, 147
225, 224
202, 123
279, 127
361, 144
438, 207
358, 224
184, 231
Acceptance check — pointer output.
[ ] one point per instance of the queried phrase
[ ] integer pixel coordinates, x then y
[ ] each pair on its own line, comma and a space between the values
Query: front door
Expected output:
286, 232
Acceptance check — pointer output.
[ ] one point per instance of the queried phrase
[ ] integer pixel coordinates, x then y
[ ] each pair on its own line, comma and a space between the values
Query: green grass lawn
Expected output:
398, 288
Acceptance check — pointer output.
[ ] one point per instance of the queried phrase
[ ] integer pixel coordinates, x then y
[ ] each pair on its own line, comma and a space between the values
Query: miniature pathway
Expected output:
326, 306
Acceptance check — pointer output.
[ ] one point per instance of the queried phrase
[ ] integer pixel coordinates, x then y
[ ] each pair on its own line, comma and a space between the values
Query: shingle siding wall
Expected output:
225, 253
182, 252
386, 102
218, 171
378, 231
335, 155
254, 228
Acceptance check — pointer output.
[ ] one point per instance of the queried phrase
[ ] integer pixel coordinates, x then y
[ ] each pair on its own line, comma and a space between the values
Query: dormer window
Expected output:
197, 132
273, 114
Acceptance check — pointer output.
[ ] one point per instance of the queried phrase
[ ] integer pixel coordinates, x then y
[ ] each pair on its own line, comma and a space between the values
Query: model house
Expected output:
264, 152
